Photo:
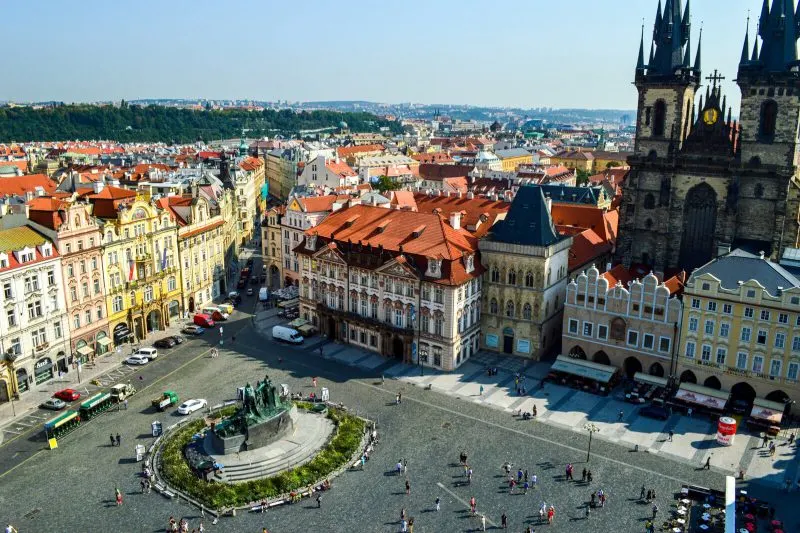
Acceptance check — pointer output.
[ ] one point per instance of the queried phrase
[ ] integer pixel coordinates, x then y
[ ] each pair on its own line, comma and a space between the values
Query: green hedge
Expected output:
176, 471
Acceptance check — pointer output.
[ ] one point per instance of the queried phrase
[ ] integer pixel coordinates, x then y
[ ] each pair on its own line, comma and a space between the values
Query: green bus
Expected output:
95, 405
62, 424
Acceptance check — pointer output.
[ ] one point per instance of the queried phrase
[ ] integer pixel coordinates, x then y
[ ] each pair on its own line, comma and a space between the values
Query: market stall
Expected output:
766, 416
583, 375
701, 399
646, 387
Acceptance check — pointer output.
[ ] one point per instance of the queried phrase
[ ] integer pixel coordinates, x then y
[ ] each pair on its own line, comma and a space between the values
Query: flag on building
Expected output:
132, 268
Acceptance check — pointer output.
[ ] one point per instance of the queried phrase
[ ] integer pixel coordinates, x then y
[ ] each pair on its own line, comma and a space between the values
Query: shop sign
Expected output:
42, 363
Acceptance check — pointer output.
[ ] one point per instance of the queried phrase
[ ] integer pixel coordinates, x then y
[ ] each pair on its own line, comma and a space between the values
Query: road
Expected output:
74, 484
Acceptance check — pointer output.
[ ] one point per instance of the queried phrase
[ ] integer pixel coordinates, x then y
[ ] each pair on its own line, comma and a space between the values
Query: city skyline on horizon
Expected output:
504, 67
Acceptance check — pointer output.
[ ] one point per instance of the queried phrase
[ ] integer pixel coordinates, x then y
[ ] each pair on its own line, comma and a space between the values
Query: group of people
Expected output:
115, 441
647, 495
182, 526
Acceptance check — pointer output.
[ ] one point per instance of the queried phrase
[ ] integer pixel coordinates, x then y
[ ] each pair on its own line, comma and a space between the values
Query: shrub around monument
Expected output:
339, 450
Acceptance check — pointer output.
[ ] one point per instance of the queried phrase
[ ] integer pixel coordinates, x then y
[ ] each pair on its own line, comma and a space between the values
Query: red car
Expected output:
68, 395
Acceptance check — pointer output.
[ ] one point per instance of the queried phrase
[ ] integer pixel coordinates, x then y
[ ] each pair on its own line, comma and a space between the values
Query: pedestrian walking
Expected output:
469, 477
483, 522
654, 494
504, 520
314, 382
481, 391
143, 484
551, 514
525, 475
764, 441
708, 463
569, 472
398, 468
408, 487
542, 509
11, 529
118, 497
405, 466
403, 526
319, 501
511, 484
119, 440
620, 415
438, 504
791, 439
399, 397
411, 525
113, 442
641, 494
519, 475
589, 476
583, 475
669, 435
655, 510
587, 511
472, 505
201, 528
649, 496
525, 486
126, 404
534, 480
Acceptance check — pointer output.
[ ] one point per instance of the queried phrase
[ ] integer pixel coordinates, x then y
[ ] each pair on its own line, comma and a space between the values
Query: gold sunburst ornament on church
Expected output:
710, 116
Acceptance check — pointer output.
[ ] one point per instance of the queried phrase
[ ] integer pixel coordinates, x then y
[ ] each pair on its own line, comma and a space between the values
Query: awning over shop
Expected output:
85, 350
702, 396
121, 331
104, 341
650, 380
584, 369
771, 412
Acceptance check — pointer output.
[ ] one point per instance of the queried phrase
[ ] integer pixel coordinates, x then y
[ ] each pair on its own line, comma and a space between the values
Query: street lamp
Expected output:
591, 428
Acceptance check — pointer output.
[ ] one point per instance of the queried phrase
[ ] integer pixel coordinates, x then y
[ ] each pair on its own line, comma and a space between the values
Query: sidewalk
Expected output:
14, 413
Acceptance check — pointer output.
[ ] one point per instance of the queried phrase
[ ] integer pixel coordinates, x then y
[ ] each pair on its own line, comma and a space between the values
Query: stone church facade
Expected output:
701, 183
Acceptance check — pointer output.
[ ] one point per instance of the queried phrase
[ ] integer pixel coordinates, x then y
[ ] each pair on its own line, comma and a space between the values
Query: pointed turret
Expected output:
671, 52
697, 57
746, 45
754, 58
686, 59
640, 60
686, 22
778, 29
763, 19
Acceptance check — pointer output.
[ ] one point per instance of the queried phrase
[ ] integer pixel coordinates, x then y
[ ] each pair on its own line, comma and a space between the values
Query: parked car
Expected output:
655, 411
242, 283
254, 280
190, 406
204, 321
178, 339
250, 291
53, 404
192, 329
137, 360
166, 342
150, 353
68, 395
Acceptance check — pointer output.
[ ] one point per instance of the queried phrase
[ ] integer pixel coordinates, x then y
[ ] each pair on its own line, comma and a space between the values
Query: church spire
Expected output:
640, 61
746, 45
778, 29
754, 58
686, 59
671, 41
697, 57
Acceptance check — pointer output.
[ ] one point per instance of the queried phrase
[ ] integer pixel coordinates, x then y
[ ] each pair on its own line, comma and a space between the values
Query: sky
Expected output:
521, 53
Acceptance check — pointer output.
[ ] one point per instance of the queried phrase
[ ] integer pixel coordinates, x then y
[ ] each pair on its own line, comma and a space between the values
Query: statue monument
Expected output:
263, 418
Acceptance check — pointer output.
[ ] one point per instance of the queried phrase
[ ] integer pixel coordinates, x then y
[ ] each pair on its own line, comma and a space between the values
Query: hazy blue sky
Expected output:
559, 53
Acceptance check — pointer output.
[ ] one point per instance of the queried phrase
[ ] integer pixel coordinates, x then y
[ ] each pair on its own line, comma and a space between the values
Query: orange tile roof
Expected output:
434, 157
19, 185
587, 217
586, 246
251, 163
618, 274
344, 151
341, 168
676, 283
317, 204
203, 229
22, 164
479, 216
403, 200
46, 211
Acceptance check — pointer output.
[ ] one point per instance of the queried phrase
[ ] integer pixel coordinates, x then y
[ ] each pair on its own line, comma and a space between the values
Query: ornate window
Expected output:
510, 309
512, 277
495, 275
526, 311
769, 117
529, 279
659, 118
493, 306
618, 328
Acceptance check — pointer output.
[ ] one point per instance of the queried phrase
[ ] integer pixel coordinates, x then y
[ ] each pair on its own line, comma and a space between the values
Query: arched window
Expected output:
526, 311
659, 118
549, 278
512, 277
510, 309
649, 201
769, 117
759, 190
529, 279
493, 307
495, 275
133, 299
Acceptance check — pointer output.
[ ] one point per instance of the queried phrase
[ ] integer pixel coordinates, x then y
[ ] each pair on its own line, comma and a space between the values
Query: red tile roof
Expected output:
19, 185
430, 171
605, 224
317, 204
586, 246
251, 163
618, 274
435, 157
341, 168
344, 151
45, 210
21, 164
480, 213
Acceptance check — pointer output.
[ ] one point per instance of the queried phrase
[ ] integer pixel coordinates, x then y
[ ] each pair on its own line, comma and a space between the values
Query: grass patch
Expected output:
338, 451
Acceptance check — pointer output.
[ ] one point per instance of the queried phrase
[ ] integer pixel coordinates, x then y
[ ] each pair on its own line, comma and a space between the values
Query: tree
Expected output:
581, 176
385, 183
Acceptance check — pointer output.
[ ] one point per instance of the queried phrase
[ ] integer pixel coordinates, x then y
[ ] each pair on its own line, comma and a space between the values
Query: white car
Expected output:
150, 353
137, 360
190, 406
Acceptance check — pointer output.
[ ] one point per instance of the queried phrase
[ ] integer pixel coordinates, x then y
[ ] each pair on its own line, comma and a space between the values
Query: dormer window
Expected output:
469, 263
434, 268
46, 249
3, 260
25, 256
311, 242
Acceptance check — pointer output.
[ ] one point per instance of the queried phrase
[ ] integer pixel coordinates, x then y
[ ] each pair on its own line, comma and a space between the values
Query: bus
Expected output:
62, 424
95, 405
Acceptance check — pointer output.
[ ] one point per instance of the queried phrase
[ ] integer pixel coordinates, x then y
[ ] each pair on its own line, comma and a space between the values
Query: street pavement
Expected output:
71, 488
693, 437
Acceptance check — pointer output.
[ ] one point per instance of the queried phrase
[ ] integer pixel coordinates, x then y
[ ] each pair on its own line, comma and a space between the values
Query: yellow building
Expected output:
513, 158
574, 159
740, 328
140, 254
201, 248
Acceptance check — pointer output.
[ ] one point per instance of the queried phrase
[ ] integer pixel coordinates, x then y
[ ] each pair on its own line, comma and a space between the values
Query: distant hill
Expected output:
133, 123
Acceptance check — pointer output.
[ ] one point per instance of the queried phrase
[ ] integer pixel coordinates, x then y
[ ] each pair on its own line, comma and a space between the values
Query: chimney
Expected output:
455, 219
470, 195
608, 266
98, 186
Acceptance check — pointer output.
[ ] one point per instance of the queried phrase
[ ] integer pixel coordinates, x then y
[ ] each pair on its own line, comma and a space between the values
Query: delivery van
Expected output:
211, 309
263, 294
204, 321
284, 334
226, 308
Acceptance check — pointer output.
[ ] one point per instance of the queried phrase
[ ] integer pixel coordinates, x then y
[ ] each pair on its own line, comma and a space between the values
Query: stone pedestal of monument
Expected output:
255, 436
